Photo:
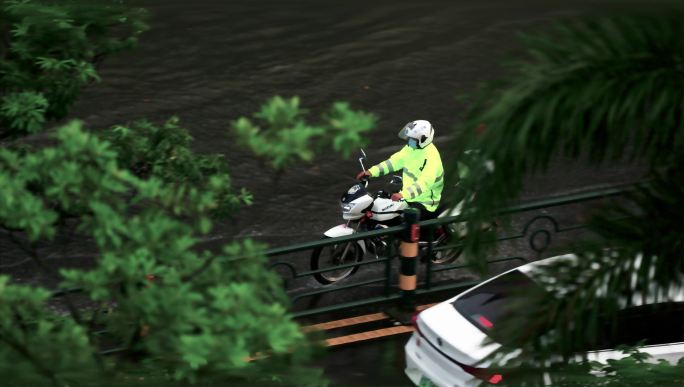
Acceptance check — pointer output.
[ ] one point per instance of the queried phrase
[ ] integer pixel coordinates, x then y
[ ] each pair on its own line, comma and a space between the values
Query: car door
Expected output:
671, 352
657, 328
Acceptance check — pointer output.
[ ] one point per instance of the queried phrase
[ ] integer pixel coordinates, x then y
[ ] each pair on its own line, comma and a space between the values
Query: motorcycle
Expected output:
365, 211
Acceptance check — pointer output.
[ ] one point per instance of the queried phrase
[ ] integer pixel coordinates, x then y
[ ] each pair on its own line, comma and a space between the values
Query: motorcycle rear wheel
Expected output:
330, 256
449, 255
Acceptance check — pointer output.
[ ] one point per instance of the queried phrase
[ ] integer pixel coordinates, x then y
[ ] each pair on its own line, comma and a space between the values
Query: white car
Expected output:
447, 346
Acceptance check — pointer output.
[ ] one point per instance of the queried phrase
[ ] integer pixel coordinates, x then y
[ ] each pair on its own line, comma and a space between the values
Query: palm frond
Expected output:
601, 89
637, 260
610, 88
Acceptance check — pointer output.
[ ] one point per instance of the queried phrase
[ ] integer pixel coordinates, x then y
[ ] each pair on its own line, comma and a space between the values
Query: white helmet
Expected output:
420, 130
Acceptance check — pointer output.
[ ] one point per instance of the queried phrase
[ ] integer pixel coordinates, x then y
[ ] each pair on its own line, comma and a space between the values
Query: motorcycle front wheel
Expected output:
335, 255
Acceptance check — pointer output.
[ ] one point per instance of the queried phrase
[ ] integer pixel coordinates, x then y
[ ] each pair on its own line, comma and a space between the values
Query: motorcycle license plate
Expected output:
426, 382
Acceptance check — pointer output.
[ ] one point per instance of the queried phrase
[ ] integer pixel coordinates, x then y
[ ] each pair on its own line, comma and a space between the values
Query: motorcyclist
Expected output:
421, 166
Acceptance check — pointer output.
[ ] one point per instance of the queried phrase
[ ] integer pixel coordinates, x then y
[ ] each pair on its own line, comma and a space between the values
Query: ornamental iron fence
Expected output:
544, 226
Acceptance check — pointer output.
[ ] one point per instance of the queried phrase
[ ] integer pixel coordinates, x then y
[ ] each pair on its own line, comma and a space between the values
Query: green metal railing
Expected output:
364, 288
538, 241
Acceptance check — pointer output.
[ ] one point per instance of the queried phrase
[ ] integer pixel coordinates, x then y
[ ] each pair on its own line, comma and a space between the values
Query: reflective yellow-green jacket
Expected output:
422, 174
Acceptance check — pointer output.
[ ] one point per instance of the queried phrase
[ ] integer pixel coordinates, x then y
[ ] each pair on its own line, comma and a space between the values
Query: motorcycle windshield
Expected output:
354, 192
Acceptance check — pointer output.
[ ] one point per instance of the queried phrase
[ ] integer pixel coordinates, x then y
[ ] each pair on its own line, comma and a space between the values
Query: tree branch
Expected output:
22, 350
5, 41
205, 265
31, 251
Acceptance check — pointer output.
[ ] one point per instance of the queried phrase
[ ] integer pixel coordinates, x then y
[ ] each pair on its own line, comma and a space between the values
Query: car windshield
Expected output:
486, 304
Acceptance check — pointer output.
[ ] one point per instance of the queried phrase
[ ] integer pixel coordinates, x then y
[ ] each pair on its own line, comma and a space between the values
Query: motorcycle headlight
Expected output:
347, 207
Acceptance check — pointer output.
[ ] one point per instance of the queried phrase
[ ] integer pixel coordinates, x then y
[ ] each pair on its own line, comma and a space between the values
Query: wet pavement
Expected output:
372, 363
211, 61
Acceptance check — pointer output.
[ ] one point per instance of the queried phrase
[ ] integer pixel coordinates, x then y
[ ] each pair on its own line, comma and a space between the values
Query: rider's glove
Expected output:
362, 175
396, 197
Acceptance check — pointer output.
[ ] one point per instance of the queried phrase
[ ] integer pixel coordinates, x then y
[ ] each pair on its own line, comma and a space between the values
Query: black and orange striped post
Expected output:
408, 252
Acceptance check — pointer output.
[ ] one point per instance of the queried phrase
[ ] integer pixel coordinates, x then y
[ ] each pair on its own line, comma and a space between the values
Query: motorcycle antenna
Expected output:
363, 157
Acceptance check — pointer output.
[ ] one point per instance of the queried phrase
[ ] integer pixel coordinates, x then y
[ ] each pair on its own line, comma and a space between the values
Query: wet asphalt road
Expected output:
211, 61
374, 363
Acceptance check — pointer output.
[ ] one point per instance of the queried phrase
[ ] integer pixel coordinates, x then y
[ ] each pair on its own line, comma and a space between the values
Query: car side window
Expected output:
654, 324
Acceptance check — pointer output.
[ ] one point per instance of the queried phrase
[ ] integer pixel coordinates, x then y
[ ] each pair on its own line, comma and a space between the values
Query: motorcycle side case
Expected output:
342, 230
458, 228
453, 211
384, 209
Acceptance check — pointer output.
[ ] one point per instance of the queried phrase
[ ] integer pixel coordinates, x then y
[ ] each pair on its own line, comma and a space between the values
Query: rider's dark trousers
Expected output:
424, 213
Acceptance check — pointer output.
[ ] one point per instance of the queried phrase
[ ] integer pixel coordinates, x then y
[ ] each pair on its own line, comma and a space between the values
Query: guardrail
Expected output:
366, 292
380, 286
375, 281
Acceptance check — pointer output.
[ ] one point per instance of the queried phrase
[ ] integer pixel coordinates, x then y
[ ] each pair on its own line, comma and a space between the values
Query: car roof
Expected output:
530, 267
673, 294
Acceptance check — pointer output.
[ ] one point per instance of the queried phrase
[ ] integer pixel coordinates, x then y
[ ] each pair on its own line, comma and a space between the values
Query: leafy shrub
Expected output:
184, 310
49, 52
285, 138
24, 111
165, 152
